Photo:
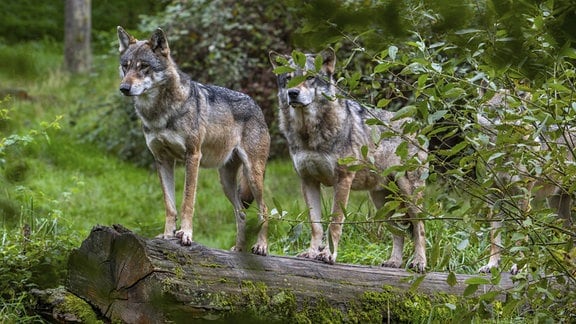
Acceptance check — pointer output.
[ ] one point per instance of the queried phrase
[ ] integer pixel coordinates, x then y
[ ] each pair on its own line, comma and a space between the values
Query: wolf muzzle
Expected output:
125, 88
293, 97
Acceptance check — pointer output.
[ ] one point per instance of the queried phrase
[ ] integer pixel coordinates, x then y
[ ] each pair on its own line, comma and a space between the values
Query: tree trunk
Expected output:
77, 29
133, 279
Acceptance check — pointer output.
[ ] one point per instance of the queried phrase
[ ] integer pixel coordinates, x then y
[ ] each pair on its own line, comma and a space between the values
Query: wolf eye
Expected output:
310, 77
144, 66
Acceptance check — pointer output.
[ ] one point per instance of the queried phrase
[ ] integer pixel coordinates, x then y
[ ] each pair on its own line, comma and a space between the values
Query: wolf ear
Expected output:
159, 42
329, 61
124, 39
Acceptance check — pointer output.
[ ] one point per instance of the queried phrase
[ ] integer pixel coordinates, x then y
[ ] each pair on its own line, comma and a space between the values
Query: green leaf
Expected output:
347, 160
454, 93
436, 116
406, 111
374, 121
451, 280
477, 281
383, 102
382, 67
402, 150
469, 290
283, 69
296, 81
364, 150
299, 58
318, 62
489, 296
454, 150
422, 80
416, 283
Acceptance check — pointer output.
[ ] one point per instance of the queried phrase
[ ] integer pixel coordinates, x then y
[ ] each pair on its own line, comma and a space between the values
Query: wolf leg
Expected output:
395, 260
312, 196
192, 167
228, 179
410, 186
495, 246
254, 173
166, 174
341, 194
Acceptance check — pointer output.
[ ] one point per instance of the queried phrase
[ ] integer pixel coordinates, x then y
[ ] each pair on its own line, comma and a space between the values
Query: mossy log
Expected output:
133, 279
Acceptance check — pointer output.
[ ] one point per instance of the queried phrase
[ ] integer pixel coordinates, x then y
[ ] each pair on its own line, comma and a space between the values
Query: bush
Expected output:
437, 72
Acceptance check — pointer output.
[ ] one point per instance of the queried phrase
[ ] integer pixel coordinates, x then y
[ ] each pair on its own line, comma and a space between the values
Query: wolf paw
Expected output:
260, 249
326, 257
185, 237
487, 268
308, 254
514, 270
418, 266
392, 264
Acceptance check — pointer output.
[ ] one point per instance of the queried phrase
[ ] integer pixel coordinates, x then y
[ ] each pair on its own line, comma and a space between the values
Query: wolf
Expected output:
516, 181
321, 127
201, 125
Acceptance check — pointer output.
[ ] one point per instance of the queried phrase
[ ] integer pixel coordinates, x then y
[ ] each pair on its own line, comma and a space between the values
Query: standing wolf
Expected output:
322, 128
200, 124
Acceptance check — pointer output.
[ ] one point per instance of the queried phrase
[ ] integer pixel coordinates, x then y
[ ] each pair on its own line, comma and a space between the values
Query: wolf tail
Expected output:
244, 191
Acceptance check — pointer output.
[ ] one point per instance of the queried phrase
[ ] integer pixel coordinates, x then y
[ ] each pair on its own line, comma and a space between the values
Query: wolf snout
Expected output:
293, 94
125, 88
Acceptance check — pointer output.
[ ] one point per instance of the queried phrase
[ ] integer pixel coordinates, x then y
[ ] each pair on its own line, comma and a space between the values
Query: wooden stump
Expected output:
138, 280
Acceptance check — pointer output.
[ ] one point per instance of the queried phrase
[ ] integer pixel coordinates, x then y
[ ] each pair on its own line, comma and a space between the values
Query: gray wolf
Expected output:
321, 128
516, 181
202, 125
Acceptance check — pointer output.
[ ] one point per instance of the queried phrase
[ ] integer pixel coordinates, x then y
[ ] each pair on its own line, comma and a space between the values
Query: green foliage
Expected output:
30, 20
33, 246
20, 62
434, 75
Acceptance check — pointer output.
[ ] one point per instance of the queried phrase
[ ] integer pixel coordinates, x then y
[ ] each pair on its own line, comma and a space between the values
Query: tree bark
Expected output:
77, 29
136, 280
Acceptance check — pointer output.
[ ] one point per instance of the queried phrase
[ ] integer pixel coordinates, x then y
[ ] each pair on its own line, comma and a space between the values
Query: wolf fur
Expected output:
321, 128
519, 183
202, 125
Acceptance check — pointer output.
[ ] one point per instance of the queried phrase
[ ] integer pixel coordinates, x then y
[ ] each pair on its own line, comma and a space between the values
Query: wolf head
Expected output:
143, 63
314, 79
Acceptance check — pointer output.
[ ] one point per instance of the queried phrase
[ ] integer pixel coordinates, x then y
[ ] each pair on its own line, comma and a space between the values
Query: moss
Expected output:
405, 307
256, 303
78, 308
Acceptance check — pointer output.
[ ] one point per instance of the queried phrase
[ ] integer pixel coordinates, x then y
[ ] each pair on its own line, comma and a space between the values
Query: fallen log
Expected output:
133, 279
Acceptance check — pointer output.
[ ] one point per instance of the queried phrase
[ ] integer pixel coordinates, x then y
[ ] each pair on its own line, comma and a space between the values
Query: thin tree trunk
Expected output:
77, 29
